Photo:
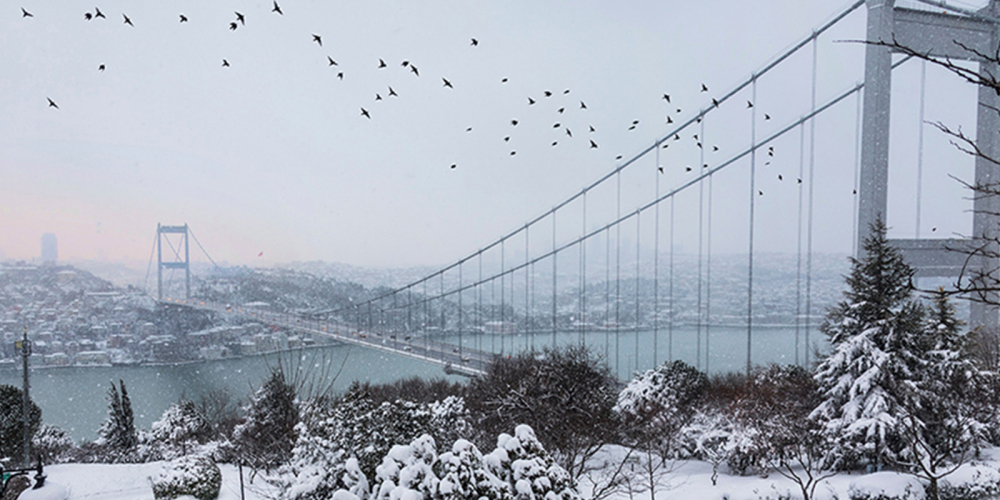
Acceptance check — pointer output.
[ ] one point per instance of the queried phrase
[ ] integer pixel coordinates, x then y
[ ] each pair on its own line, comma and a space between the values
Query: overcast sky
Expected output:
273, 155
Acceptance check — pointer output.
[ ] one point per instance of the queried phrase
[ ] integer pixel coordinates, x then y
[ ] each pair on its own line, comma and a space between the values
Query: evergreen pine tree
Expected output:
266, 437
117, 433
875, 336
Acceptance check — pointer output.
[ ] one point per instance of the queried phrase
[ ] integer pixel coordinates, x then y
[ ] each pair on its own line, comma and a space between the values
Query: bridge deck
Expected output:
455, 359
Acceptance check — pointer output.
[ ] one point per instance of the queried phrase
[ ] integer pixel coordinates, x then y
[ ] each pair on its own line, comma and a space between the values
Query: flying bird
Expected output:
513, 123
381, 63
225, 63
767, 117
749, 104
277, 9
364, 113
233, 26
666, 97
569, 133
687, 168
504, 80
761, 193
340, 75
240, 18
331, 61
592, 129
100, 68
318, 39
669, 120
52, 104
715, 103
512, 153
127, 20
704, 88
453, 165
446, 82
565, 91
715, 148
618, 157
474, 42
556, 125
632, 127
660, 169
98, 13
677, 137
378, 97
800, 181
184, 18
582, 105
560, 110
530, 101
593, 145
25, 13
392, 93
506, 139
780, 178
555, 142
548, 93
413, 68
88, 16
405, 63
469, 129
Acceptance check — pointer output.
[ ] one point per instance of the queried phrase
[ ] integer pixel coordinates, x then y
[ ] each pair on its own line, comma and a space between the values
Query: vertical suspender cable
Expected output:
607, 294
444, 325
493, 315
479, 306
656, 262
798, 261
533, 329
555, 270
460, 312
809, 224
708, 277
753, 196
618, 273
670, 289
527, 280
583, 273
701, 234
857, 168
503, 292
638, 234
920, 142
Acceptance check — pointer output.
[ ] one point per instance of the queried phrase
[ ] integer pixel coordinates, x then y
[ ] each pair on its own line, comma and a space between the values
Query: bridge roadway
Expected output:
455, 360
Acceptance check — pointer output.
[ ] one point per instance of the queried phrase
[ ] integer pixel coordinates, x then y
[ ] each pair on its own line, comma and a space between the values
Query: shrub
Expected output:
197, 476
51, 444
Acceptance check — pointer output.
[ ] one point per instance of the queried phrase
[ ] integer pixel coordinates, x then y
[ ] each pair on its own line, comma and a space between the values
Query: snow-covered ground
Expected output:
690, 480
130, 482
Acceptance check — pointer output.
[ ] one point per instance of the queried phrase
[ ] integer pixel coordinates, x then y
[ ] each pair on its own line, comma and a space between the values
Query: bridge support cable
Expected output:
149, 266
555, 270
681, 126
798, 259
202, 248
581, 319
460, 311
479, 306
656, 263
638, 235
503, 292
670, 291
527, 290
607, 294
920, 142
857, 168
532, 325
444, 324
618, 273
701, 238
753, 197
809, 223
708, 278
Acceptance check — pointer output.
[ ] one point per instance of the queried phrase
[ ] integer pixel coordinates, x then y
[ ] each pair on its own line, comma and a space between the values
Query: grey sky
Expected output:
272, 154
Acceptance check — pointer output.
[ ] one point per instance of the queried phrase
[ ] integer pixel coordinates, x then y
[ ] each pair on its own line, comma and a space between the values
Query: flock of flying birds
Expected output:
240, 20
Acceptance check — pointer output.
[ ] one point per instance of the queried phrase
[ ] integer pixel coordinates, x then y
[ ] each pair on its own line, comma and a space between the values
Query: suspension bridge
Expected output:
604, 267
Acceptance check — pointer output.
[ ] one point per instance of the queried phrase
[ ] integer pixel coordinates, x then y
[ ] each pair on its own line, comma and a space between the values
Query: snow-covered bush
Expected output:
192, 475
464, 475
52, 444
407, 471
266, 437
971, 483
179, 431
657, 404
886, 486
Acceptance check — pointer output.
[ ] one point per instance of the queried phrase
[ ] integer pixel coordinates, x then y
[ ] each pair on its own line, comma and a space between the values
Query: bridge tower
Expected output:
932, 33
173, 264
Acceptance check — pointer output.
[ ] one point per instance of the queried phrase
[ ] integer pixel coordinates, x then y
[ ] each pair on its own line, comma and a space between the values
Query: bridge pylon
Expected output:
933, 33
173, 264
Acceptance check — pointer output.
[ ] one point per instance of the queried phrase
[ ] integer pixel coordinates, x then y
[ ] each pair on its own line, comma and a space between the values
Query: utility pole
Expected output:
25, 348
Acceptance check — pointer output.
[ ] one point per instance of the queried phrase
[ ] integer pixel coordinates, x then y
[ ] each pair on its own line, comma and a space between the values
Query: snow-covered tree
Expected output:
179, 430
875, 336
118, 436
266, 437
51, 444
464, 475
12, 423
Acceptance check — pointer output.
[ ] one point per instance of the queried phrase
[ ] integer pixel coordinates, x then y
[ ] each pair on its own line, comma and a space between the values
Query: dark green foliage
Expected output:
566, 395
266, 436
117, 435
12, 422
657, 404
415, 389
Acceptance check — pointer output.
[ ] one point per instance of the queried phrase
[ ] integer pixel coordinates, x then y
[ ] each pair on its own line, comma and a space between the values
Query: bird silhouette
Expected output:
513, 123
761, 193
446, 82
503, 80
184, 18
240, 18
392, 93
704, 88
555, 142
618, 157
469, 129
318, 39
413, 69
592, 129
666, 97
453, 166
715, 148
635, 122
687, 168
933, 229
555, 125
331, 61
378, 97
560, 110
855, 191
364, 113
225, 63
52, 104
593, 145
506, 139
698, 119
88, 16
277, 9
569, 133
98, 13
749, 104
381, 63
127, 20
715, 103
767, 117
474, 42
100, 68
660, 169
405, 63
695, 137
340, 75
666, 145
698, 144
632, 127
565, 91
582, 105
233, 26
780, 178
512, 153
677, 137
669, 120
548, 93
800, 181
530, 101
